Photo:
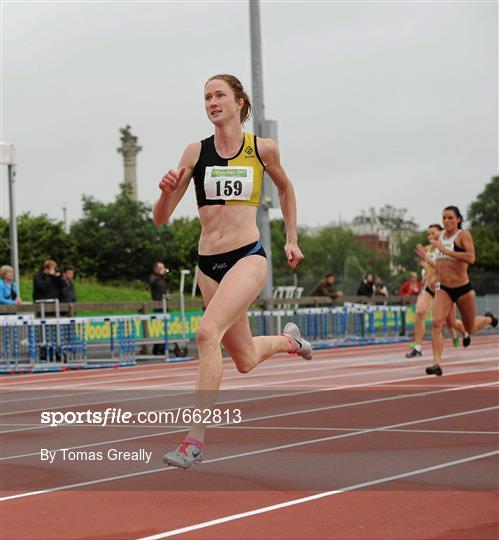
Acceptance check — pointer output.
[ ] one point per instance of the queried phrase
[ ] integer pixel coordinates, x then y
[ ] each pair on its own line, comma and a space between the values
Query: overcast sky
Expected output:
377, 102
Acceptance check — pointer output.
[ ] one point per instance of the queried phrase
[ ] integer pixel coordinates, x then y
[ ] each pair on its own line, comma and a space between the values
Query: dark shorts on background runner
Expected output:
216, 266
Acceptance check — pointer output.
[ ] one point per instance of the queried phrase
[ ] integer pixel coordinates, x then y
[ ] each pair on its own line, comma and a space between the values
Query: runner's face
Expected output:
432, 234
220, 103
450, 221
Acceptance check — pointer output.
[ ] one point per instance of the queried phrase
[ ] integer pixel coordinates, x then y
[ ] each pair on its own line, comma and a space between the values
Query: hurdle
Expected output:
56, 344
338, 326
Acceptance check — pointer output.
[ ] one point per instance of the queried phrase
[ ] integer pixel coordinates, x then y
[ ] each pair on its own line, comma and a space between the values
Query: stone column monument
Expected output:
129, 148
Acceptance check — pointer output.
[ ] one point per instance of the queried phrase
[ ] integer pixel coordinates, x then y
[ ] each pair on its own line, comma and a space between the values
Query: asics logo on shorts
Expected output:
219, 266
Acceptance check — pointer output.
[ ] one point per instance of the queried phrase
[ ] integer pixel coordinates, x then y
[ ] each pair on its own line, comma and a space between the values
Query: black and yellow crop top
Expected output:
237, 180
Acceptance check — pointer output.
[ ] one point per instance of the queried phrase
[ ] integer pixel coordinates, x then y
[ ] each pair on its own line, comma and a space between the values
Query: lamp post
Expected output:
8, 157
262, 128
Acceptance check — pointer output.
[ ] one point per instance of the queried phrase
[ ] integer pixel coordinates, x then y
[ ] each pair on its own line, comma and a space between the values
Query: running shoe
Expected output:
434, 370
466, 340
455, 341
303, 347
493, 317
413, 353
185, 455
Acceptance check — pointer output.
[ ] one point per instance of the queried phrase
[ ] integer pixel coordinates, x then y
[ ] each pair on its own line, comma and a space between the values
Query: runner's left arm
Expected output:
269, 152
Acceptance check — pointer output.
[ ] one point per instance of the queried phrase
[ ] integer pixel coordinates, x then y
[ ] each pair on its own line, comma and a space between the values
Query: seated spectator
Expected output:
47, 283
379, 288
366, 287
325, 287
68, 293
411, 287
9, 293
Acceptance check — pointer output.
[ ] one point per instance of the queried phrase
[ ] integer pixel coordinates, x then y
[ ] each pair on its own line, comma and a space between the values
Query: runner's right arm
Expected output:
174, 184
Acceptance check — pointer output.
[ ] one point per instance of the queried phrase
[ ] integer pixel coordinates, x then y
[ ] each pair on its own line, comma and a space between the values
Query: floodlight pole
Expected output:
8, 157
262, 216
14, 255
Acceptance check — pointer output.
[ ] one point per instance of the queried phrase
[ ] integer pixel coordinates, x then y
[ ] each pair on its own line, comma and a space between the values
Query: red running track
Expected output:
357, 444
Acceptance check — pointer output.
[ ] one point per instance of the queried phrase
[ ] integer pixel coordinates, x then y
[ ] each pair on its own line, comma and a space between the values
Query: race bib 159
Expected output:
229, 183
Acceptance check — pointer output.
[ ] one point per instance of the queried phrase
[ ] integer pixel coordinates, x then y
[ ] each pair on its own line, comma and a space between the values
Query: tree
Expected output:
4, 241
408, 259
352, 273
118, 241
484, 211
486, 249
326, 249
39, 238
182, 248
483, 214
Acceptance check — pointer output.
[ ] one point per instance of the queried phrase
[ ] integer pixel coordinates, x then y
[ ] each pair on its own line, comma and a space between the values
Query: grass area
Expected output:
92, 291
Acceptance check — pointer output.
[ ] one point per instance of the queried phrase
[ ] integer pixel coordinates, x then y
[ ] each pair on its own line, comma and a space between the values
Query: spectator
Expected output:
68, 293
47, 283
379, 287
411, 287
9, 293
325, 287
366, 287
157, 281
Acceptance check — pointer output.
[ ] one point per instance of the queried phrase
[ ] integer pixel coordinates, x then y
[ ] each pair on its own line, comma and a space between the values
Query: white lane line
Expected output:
349, 374
318, 366
69, 377
306, 369
402, 366
165, 386
325, 357
246, 454
375, 350
245, 386
336, 354
263, 371
328, 407
315, 497
243, 380
115, 400
334, 365
303, 392
304, 428
53, 396
188, 371
288, 394
288, 428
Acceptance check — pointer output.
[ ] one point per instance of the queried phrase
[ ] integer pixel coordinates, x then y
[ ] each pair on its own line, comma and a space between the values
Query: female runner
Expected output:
228, 169
425, 299
455, 252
